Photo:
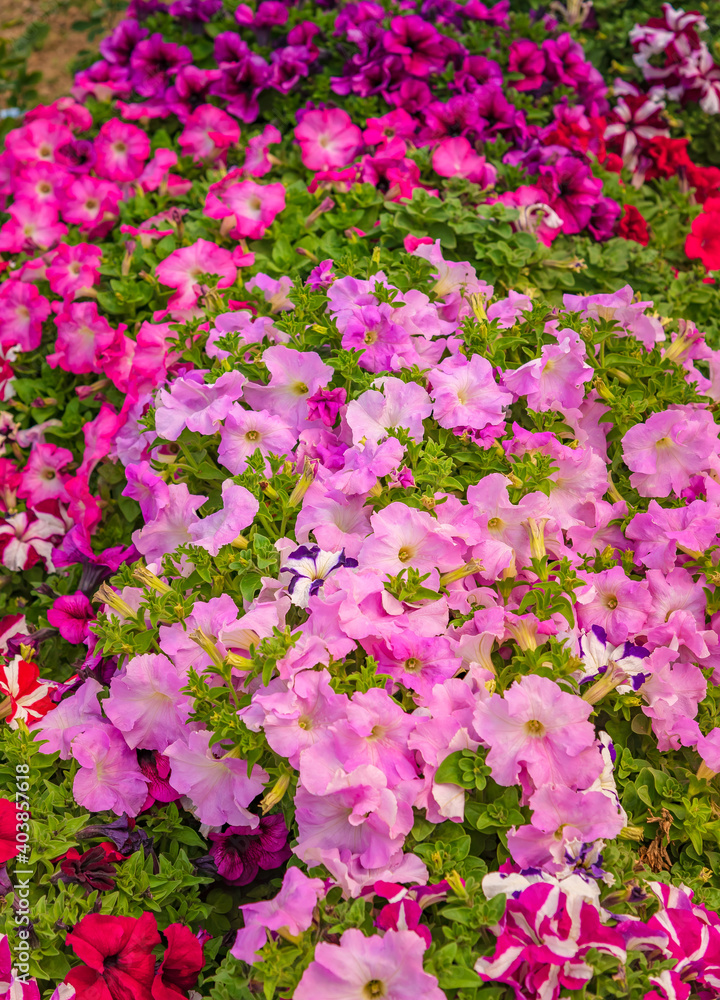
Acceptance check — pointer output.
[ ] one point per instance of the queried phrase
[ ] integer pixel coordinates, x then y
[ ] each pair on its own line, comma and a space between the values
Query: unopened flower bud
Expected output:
468, 569
148, 579
275, 795
303, 484
536, 531
106, 595
207, 645
705, 773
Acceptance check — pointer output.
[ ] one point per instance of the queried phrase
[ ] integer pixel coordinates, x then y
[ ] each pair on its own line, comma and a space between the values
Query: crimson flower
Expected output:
703, 240
633, 226
94, 868
118, 957
181, 964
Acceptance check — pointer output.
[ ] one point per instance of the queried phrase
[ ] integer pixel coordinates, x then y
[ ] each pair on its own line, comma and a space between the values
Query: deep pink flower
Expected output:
253, 206
83, 336
455, 157
71, 615
42, 478
183, 268
73, 268
121, 150
327, 139
208, 132
22, 312
31, 227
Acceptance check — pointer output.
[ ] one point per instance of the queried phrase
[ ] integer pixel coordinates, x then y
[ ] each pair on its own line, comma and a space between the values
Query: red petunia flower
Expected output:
703, 240
181, 964
632, 226
118, 957
94, 868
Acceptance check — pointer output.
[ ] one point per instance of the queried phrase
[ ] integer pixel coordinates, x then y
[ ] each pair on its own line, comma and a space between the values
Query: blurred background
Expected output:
41, 41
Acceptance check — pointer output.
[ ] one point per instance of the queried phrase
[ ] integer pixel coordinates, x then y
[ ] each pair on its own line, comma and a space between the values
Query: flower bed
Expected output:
360, 634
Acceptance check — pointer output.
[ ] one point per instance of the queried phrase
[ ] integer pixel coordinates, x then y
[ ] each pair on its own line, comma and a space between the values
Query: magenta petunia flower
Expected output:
71, 615
240, 852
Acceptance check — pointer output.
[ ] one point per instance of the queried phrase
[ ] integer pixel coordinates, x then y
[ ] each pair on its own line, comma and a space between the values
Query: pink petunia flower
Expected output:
31, 227
669, 448
248, 431
183, 268
292, 910
191, 402
223, 527
146, 703
208, 133
555, 380
171, 526
42, 478
455, 157
218, 786
253, 206
404, 537
294, 377
121, 150
23, 310
465, 394
616, 603
360, 967
109, 776
539, 731
82, 337
74, 268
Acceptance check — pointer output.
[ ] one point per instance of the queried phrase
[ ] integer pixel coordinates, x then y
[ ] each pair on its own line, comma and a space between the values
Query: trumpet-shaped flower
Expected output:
540, 731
